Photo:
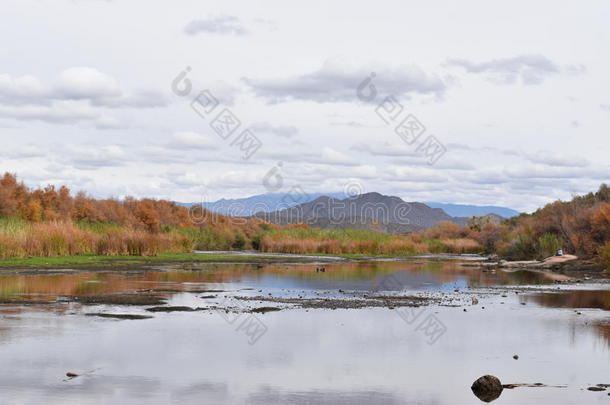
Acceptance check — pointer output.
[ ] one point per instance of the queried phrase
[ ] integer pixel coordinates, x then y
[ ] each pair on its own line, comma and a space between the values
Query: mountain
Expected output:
462, 210
368, 211
245, 207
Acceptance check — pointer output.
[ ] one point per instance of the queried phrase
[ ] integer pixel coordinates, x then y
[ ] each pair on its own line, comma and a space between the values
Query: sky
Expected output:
473, 102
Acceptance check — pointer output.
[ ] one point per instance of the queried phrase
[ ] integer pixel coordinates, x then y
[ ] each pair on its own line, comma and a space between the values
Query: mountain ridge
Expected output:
269, 202
372, 211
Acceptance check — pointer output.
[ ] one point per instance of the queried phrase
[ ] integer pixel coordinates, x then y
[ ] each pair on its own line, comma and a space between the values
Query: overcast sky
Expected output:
516, 93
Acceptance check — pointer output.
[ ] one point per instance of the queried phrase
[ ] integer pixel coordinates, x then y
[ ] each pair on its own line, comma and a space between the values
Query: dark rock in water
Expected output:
487, 388
71, 375
262, 310
516, 357
120, 299
596, 389
171, 309
118, 316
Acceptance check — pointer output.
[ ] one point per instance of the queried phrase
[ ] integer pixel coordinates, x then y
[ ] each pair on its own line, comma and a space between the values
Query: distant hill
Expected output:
462, 210
245, 207
366, 211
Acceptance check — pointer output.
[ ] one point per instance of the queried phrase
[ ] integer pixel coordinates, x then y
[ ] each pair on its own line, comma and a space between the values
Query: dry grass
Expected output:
309, 240
462, 245
22, 239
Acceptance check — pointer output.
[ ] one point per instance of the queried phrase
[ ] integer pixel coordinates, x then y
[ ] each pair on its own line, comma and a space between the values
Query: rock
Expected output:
475, 301
596, 389
262, 310
516, 357
118, 316
171, 309
71, 375
487, 388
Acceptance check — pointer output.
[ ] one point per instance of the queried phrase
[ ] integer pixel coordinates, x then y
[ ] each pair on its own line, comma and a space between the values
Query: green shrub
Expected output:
548, 244
240, 241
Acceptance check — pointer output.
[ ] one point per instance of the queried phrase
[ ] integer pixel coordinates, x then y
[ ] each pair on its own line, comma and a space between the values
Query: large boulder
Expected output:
487, 388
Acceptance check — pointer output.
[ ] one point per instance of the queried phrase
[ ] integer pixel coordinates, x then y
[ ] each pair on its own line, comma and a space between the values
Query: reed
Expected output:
64, 238
337, 241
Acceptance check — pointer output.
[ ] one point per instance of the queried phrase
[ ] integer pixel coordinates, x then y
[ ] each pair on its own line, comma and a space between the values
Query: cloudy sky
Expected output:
515, 97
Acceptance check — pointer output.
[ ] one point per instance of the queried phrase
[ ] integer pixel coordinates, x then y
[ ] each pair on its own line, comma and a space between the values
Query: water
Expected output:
304, 356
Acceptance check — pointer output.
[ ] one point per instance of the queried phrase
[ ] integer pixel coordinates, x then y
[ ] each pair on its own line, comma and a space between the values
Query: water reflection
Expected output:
599, 299
413, 275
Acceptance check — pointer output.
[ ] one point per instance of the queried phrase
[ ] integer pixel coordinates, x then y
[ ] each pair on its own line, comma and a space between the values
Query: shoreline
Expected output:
107, 262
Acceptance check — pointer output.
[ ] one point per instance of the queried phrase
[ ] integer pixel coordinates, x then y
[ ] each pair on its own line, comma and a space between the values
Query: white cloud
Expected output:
331, 156
21, 90
87, 83
224, 25
284, 131
528, 69
93, 157
58, 113
338, 82
192, 140
558, 159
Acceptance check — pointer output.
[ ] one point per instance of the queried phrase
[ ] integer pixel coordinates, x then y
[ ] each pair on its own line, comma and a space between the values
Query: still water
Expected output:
371, 355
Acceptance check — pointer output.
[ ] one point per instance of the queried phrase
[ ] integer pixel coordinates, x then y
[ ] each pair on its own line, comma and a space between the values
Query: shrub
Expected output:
240, 241
548, 244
